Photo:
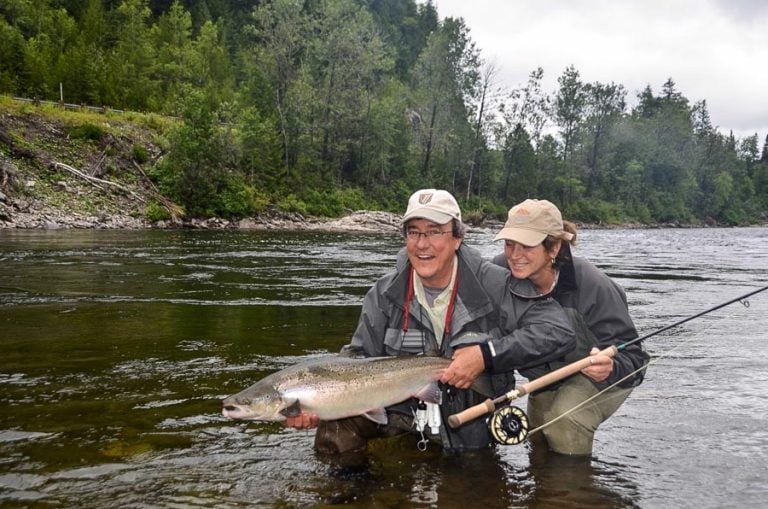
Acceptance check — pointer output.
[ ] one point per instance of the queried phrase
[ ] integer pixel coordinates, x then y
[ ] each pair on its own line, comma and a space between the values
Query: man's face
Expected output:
431, 248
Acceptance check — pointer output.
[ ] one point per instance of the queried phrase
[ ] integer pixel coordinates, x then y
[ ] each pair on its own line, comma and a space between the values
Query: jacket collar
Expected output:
567, 281
471, 292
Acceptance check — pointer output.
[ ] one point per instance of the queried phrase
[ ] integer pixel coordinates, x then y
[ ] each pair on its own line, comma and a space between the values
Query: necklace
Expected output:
554, 282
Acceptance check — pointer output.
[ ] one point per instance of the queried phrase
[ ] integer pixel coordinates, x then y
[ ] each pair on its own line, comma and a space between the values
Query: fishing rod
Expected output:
509, 425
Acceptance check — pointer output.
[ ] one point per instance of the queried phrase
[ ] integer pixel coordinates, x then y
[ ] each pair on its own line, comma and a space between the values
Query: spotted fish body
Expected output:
336, 387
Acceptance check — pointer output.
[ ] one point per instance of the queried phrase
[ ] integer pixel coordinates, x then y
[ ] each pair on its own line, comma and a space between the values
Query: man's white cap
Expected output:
435, 205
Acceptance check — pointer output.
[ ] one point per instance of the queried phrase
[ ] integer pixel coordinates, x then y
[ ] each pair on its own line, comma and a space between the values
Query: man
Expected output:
445, 299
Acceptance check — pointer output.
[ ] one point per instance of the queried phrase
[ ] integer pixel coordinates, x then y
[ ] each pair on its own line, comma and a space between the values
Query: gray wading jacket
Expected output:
523, 330
597, 307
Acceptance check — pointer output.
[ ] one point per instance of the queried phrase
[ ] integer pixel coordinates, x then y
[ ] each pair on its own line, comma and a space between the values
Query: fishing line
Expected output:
742, 299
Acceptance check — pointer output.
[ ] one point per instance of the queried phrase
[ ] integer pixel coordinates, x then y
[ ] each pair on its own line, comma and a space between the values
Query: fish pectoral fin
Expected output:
429, 393
377, 415
292, 410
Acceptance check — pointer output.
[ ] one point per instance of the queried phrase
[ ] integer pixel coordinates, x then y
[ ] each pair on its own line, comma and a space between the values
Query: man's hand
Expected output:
466, 367
302, 421
600, 366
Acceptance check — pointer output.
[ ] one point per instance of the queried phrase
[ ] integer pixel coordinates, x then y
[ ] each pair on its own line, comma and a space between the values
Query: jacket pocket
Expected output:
397, 342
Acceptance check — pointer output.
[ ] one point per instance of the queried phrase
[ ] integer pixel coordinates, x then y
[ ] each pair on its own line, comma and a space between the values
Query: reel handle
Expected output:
564, 372
473, 412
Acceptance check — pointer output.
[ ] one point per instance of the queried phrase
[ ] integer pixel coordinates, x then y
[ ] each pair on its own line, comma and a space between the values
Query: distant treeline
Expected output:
318, 106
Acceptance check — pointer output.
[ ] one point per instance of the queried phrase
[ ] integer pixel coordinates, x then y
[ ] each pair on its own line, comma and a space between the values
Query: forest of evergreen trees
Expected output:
317, 106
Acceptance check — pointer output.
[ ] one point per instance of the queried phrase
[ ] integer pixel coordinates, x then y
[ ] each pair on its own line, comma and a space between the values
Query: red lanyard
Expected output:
448, 313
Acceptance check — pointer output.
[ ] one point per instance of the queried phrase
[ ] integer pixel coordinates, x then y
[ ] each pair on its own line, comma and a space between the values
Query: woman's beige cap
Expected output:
531, 221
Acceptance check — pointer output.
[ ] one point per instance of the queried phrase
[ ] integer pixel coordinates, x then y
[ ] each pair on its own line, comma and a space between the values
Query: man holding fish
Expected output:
444, 300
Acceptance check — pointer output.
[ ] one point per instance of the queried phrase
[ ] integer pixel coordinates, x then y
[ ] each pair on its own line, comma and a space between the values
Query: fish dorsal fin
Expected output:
292, 410
429, 393
377, 415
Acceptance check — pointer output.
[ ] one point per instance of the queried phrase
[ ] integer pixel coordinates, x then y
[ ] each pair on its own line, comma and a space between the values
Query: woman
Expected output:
537, 246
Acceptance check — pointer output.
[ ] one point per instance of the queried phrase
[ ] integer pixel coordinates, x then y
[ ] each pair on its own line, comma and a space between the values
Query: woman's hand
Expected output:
600, 366
467, 364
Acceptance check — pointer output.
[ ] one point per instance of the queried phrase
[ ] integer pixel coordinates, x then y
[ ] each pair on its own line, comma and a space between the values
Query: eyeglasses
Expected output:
430, 235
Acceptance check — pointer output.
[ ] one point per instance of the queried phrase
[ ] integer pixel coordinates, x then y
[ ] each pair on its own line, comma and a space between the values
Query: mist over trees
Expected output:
318, 106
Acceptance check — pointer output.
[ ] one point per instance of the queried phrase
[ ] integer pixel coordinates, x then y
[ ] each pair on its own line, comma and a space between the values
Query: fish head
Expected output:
258, 403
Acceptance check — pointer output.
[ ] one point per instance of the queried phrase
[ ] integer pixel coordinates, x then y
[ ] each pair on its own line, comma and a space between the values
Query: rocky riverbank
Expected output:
51, 196
32, 214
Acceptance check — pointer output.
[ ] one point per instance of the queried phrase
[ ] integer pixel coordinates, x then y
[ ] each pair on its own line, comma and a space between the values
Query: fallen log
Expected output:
95, 181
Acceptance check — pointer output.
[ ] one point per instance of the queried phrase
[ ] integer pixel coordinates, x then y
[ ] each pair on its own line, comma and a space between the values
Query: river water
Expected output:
116, 348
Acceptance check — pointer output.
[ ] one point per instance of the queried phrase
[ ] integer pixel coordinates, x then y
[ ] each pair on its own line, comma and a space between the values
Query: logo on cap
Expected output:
425, 198
522, 212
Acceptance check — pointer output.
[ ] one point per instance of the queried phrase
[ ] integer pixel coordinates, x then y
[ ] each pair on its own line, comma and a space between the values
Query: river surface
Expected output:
116, 348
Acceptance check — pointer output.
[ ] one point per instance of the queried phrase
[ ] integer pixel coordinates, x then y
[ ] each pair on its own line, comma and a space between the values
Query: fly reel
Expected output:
508, 425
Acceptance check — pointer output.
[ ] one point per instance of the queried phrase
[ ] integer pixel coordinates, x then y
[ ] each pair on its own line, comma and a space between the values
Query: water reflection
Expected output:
563, 481
399, 475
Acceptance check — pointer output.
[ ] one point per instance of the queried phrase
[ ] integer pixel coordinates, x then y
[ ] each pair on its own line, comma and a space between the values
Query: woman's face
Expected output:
528, 261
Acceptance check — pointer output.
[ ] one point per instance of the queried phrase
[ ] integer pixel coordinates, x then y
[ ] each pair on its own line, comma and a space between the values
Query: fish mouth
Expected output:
236, 412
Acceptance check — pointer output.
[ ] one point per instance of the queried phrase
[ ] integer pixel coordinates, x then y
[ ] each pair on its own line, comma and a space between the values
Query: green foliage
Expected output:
324, 203
237, 199
392, 197
594, 211
196, 166
291, 204
760, 179
669, 207
259, 143
478, 210
139, 154
87, 131
335, 202
164, 177
640, 213
156, 212
12, 50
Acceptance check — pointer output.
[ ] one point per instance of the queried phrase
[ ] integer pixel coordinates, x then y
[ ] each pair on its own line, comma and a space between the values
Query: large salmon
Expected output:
334, 387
